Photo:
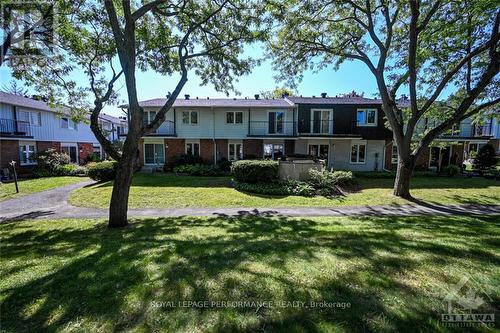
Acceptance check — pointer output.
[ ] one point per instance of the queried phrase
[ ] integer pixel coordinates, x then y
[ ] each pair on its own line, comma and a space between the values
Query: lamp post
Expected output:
13, 165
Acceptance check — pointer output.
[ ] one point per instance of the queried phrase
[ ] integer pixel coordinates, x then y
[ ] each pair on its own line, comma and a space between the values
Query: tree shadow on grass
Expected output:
92, 278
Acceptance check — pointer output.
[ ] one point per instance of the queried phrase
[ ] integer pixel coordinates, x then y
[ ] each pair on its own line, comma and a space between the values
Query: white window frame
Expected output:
330, 121
70, 144
153, 143
275, 122
192, 148
71, 124
234, 118
238, 153
394, 160
32, 116
358, 143
30, 153
189, 117
374, 124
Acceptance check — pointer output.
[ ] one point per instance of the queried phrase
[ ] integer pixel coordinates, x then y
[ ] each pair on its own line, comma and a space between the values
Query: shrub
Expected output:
70, 170
485, 158
224, 164
199, 170
278, 188
49, 160
185, 160
102, 171
255, 171
328, 179
451, 170
94, 157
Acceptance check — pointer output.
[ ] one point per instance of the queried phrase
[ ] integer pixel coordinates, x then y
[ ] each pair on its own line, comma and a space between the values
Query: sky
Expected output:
351, 76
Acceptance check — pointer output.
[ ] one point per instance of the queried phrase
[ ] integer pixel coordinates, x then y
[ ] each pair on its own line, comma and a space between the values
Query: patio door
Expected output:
321, 121
154, 153
276, 122
320, 152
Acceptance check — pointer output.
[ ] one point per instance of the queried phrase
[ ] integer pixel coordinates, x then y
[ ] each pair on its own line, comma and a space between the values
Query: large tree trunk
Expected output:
119, 198
403, 177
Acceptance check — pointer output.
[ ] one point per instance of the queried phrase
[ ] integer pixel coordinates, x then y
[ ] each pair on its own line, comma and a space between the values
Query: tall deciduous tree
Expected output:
424, 46
169, 37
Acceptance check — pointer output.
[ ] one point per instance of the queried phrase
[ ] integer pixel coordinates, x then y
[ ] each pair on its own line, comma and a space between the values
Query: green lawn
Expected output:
8, 191
76, 275
167, 190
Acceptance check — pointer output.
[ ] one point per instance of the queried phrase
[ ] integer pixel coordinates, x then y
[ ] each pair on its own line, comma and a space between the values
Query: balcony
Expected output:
165, 129
326, 128
274, 128
15, 128
482, 130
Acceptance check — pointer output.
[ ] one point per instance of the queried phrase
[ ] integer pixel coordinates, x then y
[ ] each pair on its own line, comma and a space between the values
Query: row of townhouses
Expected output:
348, 132
29, 126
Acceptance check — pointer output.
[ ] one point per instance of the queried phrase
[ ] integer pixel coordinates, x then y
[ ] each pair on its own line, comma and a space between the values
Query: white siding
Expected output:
342, 154
230, 131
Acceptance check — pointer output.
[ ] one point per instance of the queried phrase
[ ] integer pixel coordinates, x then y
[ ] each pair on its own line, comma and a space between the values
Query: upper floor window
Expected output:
234, 117
358, 153
68, 123
367, 117
34, 118
190, 117
27, 153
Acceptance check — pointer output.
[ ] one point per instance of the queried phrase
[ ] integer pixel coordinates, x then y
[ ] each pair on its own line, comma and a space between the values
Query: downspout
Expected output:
213, 135
383, 156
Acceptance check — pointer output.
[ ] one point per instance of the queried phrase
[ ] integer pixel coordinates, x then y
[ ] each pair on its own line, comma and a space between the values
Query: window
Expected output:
434, 157
321, 121
319, 151
358, 152
276, 122
27, 153
148, 117
34, 118
190, 117
154, 153
96, 151
394, 154
367, 117
273, 151
68, 123
234, 117
235, 151
193, 148
71, 151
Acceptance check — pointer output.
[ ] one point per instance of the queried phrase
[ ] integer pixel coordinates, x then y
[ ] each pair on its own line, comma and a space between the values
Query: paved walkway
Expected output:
53, 204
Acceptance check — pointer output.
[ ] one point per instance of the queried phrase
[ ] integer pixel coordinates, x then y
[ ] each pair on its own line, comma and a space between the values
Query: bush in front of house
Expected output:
451, 170
290, 187
328, 179
224, 164
199, 170
486, 158
255, 171
185, 159
70, 170
102, 171
48, 161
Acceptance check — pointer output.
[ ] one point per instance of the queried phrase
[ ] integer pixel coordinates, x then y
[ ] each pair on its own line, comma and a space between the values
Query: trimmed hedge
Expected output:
199, 170
255, 171
282, 188
102, 171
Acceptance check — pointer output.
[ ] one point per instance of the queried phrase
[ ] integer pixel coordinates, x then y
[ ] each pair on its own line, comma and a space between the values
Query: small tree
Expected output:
486, 158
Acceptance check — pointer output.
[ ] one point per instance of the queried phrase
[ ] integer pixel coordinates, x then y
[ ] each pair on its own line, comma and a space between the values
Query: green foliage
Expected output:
199, 170
255, 171
102, 171
48, 161
71, 170
224, 164
486, 157
185, 159
290, 187
328, 179
94, 157
277, 93
451, 170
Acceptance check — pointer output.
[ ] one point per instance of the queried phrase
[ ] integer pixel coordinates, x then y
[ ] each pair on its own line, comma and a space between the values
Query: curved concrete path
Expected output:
53, 204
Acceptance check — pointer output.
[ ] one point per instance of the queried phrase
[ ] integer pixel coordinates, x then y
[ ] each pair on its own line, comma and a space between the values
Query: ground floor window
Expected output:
235, 151
358, 153
72, 151
193, 148
394, 154
96, 151
434, 157
273, 150
319, 151
27, 152
154, 153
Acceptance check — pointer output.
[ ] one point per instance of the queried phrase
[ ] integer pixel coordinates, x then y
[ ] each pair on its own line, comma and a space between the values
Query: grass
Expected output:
76, 275
27, 186
167, 190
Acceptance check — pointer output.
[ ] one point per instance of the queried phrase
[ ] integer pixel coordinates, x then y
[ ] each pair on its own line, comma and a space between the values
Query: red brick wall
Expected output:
423, 160
175, 147
84, 150
207, 150
56, 146
289, 147
253, 147
222, 148
388, 155
9, 151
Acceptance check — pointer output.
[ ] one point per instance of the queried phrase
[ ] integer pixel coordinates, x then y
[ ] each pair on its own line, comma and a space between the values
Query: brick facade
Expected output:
174, 147
84, 150
222, 148
253, 148
9, 151
207, 150
388, 156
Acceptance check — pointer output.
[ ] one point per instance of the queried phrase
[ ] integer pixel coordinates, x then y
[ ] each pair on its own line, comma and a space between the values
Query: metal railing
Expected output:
482, 130
271, 128
15, 127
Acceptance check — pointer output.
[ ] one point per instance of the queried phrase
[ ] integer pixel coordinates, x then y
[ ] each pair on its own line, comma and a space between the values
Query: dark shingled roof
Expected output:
22, 101
219, 102
334, 100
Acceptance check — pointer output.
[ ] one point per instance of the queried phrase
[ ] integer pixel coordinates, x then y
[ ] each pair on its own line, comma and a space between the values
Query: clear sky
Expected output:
350, 76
